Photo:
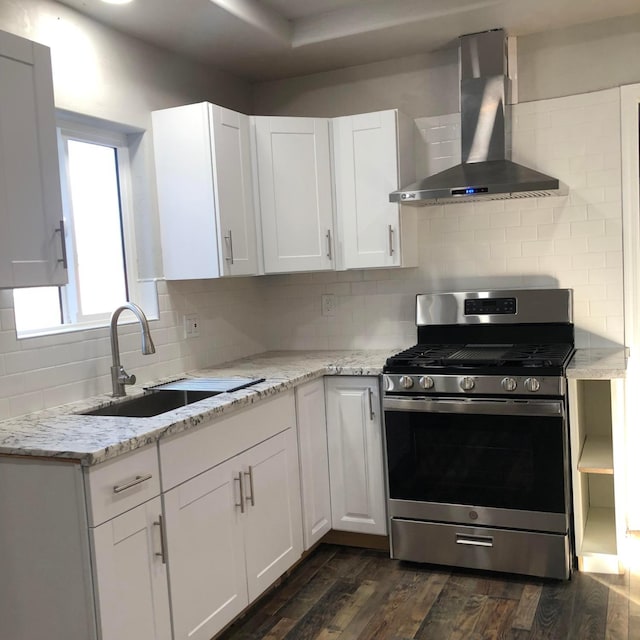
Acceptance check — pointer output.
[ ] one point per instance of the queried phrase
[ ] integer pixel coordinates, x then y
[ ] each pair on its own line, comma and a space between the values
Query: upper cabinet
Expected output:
30, 201
373, 155
205, 192
293, 165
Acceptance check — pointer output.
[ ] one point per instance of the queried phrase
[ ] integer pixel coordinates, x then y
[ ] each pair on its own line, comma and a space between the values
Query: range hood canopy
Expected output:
485, 172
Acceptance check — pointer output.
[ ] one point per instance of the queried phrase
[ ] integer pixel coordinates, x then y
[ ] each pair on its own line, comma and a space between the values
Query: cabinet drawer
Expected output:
121, 484
185, 455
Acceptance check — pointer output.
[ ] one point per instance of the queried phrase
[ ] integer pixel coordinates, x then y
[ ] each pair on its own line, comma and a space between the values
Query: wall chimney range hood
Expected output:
485, 172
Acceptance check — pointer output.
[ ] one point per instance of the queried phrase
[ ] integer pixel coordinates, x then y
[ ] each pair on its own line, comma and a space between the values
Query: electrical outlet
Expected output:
191, 326
328, 304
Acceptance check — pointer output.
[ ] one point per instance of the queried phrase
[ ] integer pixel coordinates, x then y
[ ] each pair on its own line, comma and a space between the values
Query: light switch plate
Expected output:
329, 304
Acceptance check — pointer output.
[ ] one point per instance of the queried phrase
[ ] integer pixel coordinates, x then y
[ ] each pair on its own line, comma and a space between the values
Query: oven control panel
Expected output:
441, 384
489, 306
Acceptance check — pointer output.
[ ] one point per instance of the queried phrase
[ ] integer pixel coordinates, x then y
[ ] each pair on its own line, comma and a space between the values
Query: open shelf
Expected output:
599, 536
597, 456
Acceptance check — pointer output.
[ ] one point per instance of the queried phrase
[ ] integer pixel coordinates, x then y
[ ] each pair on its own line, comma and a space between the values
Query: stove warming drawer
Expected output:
524, 552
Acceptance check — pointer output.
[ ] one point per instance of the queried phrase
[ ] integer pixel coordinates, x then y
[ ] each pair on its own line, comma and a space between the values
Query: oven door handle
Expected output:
476, 406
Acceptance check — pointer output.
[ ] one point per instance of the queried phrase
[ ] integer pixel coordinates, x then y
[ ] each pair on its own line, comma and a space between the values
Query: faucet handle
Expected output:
125, 378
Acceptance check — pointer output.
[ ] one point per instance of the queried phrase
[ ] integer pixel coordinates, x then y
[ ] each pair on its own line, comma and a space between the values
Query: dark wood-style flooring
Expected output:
347, 593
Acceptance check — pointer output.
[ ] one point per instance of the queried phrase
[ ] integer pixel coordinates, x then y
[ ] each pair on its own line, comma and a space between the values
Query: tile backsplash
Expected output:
572, 241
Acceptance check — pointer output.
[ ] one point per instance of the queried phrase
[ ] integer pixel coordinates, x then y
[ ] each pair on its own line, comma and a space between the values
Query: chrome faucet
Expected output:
119, 377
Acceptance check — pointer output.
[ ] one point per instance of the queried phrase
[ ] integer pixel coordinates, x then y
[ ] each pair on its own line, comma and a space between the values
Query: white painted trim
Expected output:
630, 151
630, 145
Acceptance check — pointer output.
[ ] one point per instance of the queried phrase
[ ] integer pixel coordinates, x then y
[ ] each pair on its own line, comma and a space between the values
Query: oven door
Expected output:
479, 462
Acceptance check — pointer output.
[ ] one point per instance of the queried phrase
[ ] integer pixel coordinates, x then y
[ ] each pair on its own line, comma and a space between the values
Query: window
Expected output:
98, 228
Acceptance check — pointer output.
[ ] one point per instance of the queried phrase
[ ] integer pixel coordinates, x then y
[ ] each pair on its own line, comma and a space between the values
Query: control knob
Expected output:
532, 384
509, 384
466, 384
426, 382
406, 382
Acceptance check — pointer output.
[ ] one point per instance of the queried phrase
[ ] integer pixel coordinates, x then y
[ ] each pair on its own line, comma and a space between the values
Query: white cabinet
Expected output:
30, 201
293, 166
130, 575
205, 192
596, 412
204, 536
79, 560
373, 156
314, 461
235, 527
354, 432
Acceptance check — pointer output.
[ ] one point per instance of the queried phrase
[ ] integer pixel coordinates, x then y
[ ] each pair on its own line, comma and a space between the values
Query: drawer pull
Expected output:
161, 553
250, 498
474, 541
239, 481
137, 480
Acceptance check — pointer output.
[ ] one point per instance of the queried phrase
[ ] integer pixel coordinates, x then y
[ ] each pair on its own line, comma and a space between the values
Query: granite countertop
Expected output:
598, 364
62, 433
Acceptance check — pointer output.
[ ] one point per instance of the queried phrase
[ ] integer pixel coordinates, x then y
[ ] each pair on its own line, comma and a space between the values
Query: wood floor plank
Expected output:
425, 596
553, 615
323, 610
447, 607
526, 611
617, 627
496, 618
589, 619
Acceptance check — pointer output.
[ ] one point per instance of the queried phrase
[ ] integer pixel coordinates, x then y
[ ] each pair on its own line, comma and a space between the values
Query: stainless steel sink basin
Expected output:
152, 404
172, 395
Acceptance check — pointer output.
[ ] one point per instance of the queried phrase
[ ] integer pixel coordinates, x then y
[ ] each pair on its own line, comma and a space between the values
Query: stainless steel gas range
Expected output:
476, 433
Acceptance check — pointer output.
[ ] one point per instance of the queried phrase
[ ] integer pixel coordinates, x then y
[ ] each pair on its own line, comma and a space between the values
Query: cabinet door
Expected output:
206, 552
131, 577
205, 196
314, 461
30, 200
234, 191
366, 172
294, 181
273, 526
354, 433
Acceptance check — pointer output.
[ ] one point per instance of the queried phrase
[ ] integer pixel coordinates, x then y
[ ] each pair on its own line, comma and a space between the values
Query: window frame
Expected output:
142, 292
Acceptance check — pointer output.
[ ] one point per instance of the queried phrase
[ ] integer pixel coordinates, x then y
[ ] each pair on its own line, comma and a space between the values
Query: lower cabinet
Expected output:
356, 468
130, 575
314, 461
231, 532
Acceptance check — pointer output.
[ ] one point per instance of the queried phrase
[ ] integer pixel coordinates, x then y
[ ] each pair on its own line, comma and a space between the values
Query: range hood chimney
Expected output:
485, 172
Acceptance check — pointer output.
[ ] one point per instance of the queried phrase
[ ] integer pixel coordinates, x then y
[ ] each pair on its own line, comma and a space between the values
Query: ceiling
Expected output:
269, 39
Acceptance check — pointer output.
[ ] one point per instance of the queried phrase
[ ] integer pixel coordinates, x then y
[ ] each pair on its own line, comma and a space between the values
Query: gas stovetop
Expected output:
513, 342
550, 359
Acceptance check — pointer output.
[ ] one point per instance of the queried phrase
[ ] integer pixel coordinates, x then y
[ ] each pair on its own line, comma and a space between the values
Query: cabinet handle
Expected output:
161, 553
329, 245
474, 541
372, 414
60, 230
390, 240
127, 485
229, 238
250, 498
241, 503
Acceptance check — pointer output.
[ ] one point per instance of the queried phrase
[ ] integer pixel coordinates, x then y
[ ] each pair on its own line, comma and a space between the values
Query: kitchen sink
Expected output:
172, 395
152, 404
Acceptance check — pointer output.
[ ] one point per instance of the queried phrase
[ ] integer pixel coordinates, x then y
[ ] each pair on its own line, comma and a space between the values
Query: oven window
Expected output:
511, 462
